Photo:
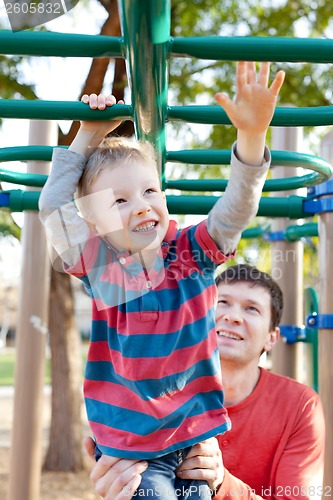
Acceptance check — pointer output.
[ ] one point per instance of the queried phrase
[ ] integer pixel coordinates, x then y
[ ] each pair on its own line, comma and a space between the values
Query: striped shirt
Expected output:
152, 382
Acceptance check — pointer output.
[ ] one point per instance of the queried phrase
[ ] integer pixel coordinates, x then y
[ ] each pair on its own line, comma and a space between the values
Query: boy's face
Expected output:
129, 209
243, 317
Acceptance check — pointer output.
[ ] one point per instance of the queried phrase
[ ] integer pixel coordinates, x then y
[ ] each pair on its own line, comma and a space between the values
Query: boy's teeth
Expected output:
146, 227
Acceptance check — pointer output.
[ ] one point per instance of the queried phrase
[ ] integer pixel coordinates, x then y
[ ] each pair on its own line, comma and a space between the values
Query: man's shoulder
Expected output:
288, 386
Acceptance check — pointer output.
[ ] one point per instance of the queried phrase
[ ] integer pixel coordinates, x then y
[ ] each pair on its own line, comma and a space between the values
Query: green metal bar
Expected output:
146, 34
283, 117
36, 180
315, 50
44, 43
60, 110
217, 48
311, 305
20, 201
292, 233
205, 185
269, 207
322, 169
72, 110
254, 232
291, 207
25, 153
295, 233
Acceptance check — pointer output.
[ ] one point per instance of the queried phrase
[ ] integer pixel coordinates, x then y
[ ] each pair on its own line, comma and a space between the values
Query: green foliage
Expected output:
8, 225
12, 79
196, 82
12, 86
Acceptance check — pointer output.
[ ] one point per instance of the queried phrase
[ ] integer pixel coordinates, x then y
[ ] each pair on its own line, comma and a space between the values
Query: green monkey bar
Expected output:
147, 67
291, 233
214, 115
321, 169
219, 48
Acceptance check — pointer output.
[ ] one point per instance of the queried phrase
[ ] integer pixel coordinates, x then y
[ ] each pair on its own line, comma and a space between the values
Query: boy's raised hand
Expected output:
253, 107
92, 133
100, 102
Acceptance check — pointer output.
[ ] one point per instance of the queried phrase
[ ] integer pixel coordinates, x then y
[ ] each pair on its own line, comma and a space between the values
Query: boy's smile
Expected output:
130, 210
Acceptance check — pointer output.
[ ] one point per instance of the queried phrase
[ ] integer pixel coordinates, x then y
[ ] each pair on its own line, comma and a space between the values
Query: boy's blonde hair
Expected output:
114, 152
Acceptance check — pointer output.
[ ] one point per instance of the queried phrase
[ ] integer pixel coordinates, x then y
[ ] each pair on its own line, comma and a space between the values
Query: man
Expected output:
275, 448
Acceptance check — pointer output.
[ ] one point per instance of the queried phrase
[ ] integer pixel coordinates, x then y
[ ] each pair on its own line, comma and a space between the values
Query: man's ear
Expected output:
272, 338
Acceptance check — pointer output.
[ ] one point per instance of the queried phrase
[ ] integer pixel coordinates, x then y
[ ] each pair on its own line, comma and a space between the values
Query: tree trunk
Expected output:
99, 66
65, 446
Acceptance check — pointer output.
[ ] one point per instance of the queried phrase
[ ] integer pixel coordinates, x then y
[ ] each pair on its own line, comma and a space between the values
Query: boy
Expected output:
152, 383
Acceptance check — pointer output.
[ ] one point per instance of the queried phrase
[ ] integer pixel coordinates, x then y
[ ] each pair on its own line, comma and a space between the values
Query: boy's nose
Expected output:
142, 208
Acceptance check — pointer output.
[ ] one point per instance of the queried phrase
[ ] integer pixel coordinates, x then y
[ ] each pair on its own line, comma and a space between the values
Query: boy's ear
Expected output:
87, 217
91, 225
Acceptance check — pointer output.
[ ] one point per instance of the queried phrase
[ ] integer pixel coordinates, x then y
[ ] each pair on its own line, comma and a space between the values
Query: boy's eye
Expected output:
150, 190
120, 200
222, 302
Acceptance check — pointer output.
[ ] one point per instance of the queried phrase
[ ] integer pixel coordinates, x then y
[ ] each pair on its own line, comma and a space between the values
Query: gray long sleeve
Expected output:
65, 229
233, 212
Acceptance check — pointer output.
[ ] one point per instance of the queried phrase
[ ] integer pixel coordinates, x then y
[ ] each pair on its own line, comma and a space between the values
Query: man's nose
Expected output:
232, 317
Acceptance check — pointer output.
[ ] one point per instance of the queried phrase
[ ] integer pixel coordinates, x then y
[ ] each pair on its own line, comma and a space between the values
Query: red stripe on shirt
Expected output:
192, 428
160, 407
142, 368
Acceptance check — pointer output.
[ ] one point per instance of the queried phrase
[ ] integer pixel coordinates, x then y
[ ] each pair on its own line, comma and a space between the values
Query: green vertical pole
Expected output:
311, 305
146, 33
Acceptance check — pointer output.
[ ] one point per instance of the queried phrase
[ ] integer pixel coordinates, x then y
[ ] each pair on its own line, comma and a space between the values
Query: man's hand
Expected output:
115, 478
204, 461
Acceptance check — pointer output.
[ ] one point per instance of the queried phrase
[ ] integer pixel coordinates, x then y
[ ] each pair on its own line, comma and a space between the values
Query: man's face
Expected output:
243, 317
130, 209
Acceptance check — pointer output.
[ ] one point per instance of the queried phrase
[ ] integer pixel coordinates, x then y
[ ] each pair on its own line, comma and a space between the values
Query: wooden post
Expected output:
287, 264
325, 336
26, 459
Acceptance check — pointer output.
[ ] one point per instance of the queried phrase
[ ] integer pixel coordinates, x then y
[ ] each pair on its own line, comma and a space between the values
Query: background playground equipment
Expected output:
146, 45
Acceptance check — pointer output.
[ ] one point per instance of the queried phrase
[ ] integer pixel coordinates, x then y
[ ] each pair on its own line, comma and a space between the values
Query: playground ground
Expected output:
54, 485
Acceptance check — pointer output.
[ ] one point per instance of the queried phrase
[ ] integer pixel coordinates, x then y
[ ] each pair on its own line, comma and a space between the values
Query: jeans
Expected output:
159, 481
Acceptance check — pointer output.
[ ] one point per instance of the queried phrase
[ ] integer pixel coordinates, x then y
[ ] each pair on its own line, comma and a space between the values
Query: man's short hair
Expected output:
250, 274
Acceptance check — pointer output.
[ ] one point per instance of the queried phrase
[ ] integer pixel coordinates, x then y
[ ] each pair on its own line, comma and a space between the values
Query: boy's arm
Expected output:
66, 231
251, 113
234, 211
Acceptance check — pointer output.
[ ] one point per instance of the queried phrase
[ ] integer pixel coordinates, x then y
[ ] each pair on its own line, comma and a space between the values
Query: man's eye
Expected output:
252, 308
